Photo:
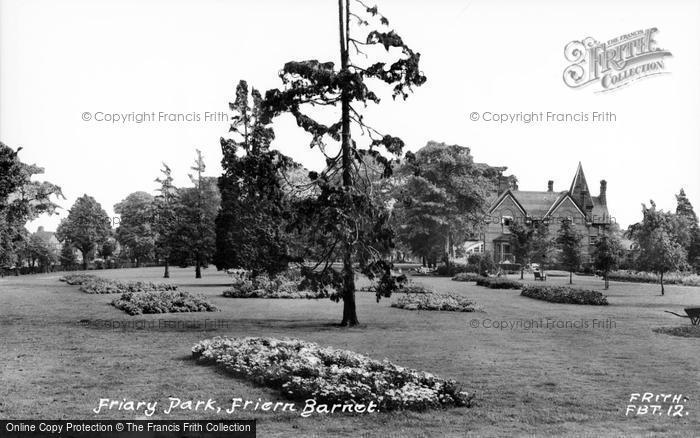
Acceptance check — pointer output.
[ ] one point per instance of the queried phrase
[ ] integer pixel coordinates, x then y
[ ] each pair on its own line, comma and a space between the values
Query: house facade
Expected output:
588, 213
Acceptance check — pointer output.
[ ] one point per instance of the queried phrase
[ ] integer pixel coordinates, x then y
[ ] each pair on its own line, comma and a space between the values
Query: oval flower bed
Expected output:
281, 286
409, 288
91, 284
303, 370
446, 302
564, 294
162, 302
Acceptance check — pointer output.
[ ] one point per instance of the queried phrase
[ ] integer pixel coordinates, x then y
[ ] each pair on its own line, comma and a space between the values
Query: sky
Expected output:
60, 60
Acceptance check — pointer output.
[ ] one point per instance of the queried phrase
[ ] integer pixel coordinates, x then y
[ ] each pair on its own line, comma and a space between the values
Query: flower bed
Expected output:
466, 276
262, 293
683, 331
91, 284
104, 286
162, 302
446, 302
281, 286
77, 279
498, 283
684, 278
408, 288
564, 294
302, 370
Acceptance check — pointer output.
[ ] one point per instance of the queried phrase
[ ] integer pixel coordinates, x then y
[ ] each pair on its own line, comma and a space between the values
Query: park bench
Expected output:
691, 312
541, 276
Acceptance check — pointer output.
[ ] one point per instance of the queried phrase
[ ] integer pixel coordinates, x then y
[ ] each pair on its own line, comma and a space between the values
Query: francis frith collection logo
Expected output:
616, 62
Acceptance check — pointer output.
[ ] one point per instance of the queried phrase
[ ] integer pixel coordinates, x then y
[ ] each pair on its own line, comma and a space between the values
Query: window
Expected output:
506, 222
592, 240
506, 254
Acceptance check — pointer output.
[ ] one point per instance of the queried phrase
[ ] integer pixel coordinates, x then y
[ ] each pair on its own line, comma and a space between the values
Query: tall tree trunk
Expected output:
447, 250
607, 285
166, 274
349, 310
522, 271
662, 283
571, 274
85, 263
197, 267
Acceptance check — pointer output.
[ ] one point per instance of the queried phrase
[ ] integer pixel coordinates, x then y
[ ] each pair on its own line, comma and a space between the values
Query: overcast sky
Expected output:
59, 59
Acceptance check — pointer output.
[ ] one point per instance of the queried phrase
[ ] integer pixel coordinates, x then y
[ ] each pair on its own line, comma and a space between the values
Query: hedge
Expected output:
498, 283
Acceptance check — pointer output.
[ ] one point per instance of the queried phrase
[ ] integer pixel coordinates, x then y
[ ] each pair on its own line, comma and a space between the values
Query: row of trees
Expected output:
176, 226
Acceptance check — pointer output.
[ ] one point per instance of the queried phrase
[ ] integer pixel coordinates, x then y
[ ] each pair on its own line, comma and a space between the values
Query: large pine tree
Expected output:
347, 219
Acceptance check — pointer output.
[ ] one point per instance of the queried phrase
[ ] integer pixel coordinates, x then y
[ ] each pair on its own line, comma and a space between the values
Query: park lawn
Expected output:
550, 381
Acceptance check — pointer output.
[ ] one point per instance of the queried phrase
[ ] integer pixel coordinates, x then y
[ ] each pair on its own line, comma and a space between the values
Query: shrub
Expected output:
684, 278
162, 302
285, 285
498, 283
452, 269
483, 262
447, 302
564, 294
302, 370
466, 276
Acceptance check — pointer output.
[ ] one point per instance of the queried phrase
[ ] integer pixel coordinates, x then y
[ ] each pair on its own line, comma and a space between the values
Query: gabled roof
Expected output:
507, 194
561, 200
540, 204
537, 204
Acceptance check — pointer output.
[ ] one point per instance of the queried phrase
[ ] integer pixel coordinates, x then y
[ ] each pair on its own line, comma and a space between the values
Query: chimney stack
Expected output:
603, 189
503, 184
550, 186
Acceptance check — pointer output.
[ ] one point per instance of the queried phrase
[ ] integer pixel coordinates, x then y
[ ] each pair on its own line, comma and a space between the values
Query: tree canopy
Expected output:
348, 222
21, 200
250, 226
569, 242
136, 233
660, 242
86, 227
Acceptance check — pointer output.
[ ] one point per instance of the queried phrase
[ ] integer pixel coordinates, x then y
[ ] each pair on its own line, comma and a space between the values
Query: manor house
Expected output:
589, 213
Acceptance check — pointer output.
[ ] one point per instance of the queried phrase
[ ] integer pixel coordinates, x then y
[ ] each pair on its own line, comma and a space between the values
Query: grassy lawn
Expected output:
551, 381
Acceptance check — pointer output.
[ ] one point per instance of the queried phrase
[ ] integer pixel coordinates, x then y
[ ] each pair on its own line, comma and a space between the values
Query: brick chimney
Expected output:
603, 189
550, 186
503, 184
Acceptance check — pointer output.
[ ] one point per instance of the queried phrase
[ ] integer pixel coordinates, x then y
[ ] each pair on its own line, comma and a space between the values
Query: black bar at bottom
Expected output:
128, 428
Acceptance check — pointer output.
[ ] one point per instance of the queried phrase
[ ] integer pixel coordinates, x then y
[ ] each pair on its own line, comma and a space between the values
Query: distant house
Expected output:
49, 237
589, 213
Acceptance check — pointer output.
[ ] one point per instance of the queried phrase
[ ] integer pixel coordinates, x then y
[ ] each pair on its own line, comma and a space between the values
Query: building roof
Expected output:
536, 204
541, 204
46, 236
